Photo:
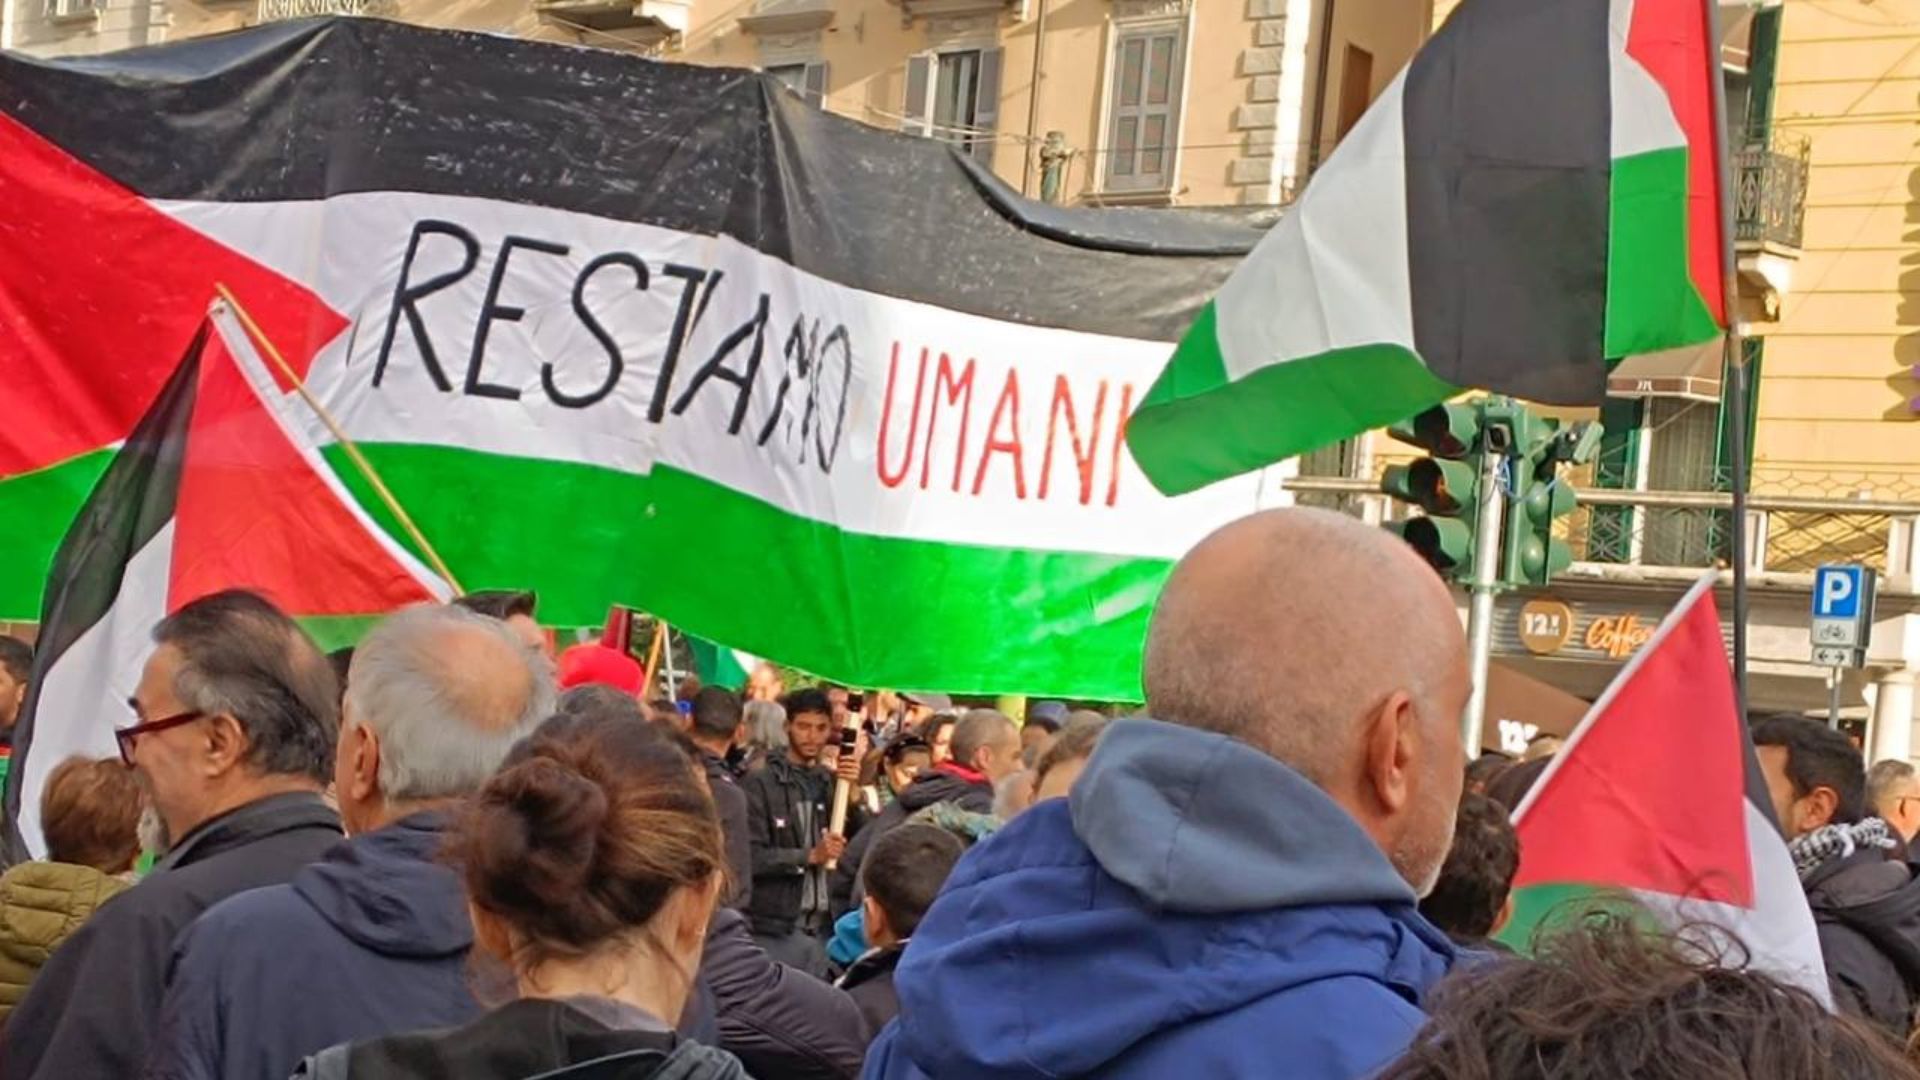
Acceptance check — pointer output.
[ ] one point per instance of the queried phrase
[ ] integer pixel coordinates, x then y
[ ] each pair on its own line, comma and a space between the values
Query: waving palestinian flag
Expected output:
1657, 802
216, 488
1534, 198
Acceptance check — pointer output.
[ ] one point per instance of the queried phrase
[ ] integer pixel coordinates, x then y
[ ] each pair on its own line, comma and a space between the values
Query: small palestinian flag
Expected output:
216, 488
1658, 802
1534, 198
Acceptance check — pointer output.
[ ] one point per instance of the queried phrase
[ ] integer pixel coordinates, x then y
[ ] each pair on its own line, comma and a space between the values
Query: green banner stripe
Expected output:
1652, 303
729, 567
1185, 440
1546, 909
36, 509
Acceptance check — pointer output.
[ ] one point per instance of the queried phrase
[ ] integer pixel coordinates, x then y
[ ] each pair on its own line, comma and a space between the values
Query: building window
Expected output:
809, 80
955, 96
1143, 120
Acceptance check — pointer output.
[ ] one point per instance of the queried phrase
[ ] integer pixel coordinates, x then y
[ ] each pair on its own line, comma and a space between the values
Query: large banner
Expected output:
625, 331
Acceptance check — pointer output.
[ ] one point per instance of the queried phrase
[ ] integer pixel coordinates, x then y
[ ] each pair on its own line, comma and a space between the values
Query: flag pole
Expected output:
1733, 357
333, 426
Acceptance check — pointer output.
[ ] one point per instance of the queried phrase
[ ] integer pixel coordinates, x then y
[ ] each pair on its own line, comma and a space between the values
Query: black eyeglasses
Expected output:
125, 736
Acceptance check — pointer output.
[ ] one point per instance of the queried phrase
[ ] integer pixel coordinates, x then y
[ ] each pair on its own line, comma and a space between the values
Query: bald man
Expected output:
1230, 889
372, 939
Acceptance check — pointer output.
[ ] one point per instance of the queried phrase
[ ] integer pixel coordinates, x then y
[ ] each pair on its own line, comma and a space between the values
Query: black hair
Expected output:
905, 869
502, 604
1606, 998
243, 657
600, 702
716, 712
16, 657
809, 700
907, 744
1510, 787
1818, 756
1474, 882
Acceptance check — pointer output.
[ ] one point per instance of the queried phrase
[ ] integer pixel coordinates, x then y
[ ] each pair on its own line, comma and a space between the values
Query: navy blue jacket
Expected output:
369, 941
1206, 911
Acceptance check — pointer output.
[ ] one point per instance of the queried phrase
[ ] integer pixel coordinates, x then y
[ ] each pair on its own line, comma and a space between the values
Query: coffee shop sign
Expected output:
1618, 636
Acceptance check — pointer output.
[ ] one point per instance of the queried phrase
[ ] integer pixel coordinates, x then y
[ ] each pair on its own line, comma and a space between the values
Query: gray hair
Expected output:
1887, 775
448, 692
979, 729
242, 657
766, 726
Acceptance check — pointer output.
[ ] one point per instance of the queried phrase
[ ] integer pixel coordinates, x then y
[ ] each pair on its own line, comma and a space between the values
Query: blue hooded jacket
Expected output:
1195, 909
370, 940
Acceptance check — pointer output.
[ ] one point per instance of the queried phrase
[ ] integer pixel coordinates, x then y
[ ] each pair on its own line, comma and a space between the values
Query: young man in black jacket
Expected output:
714, 727
1865, 901
903, 874
788, 803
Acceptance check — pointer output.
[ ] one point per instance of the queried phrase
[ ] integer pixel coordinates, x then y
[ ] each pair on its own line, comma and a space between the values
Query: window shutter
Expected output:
816, 83
986, 106
919, 104
1144, 122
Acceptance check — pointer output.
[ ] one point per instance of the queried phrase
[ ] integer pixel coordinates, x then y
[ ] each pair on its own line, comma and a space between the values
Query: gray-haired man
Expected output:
233, 726
373, 939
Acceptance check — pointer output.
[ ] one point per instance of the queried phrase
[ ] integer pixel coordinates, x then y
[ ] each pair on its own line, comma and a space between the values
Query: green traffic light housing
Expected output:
1437, 486
1446, 543
1445, 431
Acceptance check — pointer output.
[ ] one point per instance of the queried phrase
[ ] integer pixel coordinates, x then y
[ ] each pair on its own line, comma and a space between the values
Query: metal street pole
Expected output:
1833, 699
1486, 570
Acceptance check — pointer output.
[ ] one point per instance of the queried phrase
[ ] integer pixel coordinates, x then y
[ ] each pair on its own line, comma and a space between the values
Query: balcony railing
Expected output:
277, 10
1789, 532
1770, 192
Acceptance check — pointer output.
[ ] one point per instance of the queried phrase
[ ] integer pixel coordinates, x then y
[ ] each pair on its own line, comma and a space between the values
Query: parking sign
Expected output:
1842, 614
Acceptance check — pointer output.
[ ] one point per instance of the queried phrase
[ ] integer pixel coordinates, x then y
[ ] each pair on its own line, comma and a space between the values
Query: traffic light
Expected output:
1444, 485
1530, 554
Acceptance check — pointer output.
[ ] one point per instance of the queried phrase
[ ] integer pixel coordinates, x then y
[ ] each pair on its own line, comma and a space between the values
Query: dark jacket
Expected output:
870, 983
92, 1011
778, 1021
1866, 908
380, 923
787, 808
731, 801
579, 1039
1218, 915
933, 786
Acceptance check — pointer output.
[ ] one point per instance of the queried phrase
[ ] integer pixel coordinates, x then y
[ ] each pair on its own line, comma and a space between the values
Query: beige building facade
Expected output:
1147, 102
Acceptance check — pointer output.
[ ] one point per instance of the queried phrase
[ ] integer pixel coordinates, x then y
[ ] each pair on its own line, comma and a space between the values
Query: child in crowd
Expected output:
903, 874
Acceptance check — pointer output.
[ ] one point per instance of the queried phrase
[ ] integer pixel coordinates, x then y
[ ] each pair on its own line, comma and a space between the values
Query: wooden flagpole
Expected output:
653, 656
333, 426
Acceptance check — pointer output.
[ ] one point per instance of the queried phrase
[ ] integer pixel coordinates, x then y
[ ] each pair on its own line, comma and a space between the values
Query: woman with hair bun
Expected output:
592, 863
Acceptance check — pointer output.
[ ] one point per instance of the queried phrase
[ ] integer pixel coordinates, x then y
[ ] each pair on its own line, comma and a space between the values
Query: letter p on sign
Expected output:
1836, 592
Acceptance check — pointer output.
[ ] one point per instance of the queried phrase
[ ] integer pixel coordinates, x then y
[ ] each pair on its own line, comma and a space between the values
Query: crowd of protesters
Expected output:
450, 853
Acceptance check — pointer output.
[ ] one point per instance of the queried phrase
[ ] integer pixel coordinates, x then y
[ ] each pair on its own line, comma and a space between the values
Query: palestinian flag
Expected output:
1534, 198
217, 487
682, 342
1658, 803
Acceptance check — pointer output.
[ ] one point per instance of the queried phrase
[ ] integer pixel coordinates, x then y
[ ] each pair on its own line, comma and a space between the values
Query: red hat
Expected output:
595, 663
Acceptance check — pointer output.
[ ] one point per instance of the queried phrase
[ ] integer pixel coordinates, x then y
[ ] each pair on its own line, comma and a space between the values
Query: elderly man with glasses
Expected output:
232, 738
1894, 789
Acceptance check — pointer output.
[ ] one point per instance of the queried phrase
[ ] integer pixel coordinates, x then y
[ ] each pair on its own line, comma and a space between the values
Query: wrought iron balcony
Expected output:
1770, 193
276, 10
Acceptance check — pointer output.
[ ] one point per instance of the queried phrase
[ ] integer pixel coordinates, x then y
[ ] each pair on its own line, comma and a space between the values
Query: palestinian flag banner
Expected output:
621, 331
1658, 803
1535, 197
217, 487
